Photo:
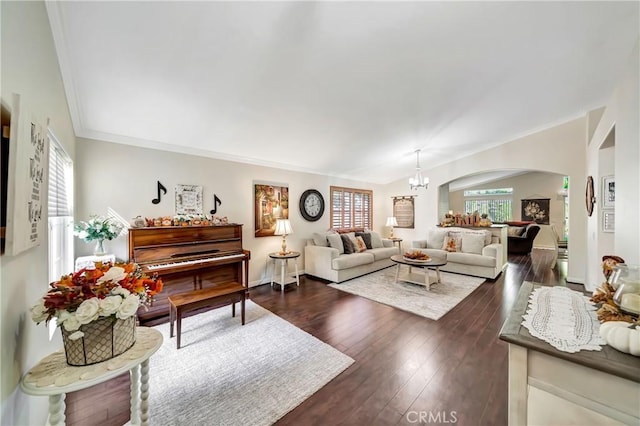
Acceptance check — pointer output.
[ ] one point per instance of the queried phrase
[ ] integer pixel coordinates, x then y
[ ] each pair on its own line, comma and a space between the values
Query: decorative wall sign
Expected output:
29, 176
216, 203
536, 209
271, 203
404, 211
188, 199
164, 191
608, 192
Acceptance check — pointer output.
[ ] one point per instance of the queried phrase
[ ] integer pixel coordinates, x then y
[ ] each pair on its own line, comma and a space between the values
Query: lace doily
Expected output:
53, 370
564, 318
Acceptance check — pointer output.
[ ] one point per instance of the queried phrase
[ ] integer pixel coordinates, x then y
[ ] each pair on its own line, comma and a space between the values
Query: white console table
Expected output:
551, 387
54, 378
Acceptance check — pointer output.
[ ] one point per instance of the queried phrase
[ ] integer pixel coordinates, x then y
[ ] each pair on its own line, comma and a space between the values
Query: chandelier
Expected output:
418, 181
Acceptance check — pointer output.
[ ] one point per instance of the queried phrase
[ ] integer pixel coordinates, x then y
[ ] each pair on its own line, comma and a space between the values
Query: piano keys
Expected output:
186, 258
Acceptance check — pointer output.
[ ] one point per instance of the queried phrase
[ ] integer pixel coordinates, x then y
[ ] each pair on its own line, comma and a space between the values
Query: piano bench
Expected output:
214, 297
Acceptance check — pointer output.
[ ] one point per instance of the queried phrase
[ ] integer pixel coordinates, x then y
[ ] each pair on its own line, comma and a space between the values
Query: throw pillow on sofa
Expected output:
515, 231
376, 240
361, 244
366, 237
472, 242
435, 238
335, 242
452, 243
320, 239
352, 238
347, 244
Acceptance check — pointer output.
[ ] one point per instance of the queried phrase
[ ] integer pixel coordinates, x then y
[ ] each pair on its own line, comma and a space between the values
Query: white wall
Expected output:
124, 178
30, 68
623, 113
560, 149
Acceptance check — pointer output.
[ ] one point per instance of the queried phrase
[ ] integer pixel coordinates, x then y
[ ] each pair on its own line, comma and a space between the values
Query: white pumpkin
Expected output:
619, 336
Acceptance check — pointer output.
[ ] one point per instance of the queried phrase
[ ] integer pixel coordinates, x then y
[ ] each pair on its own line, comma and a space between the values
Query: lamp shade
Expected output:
391, 221
283, 227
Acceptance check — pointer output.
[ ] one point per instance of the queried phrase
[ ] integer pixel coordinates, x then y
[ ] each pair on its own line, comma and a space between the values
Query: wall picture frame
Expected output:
535, 210
608, 192
271, 202
188, 199
608, 221
28, 178
404, 212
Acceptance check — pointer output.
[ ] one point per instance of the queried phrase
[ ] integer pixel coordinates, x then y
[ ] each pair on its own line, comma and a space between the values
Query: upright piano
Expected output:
187, 258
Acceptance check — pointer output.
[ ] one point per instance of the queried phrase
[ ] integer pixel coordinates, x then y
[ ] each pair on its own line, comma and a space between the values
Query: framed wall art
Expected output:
608, 192
28, 178
536, 210
271, 202
404, 211
188, 199
608, 221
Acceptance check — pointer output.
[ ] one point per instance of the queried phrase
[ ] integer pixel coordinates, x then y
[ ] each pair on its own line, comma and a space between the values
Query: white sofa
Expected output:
331, 263
481, 252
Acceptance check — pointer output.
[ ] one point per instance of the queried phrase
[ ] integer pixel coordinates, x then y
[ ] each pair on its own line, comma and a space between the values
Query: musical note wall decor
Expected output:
160, 188
216, 203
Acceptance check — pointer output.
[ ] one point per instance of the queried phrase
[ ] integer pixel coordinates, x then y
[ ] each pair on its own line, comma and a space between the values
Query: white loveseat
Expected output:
480, 253
330, 262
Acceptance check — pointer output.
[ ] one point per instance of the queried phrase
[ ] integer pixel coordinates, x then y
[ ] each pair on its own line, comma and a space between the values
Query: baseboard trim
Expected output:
575, 280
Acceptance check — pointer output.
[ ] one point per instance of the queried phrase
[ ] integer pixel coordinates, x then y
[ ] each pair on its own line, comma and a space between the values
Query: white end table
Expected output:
87, 261
284, 264
54, 378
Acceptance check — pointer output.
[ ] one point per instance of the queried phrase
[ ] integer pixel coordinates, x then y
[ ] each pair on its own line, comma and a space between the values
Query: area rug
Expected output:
229, 374
381, 287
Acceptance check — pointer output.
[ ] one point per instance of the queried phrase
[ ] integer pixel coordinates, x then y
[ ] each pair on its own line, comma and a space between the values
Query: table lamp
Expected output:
391, 221
283, 227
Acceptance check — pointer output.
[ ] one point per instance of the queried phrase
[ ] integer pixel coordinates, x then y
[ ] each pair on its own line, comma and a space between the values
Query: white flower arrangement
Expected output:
106, 291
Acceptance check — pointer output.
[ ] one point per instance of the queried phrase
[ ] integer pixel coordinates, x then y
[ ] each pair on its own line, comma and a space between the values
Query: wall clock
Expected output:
589, 196
311, 205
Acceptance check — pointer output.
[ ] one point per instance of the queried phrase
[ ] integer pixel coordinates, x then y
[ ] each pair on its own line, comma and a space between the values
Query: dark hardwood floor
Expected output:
406, 368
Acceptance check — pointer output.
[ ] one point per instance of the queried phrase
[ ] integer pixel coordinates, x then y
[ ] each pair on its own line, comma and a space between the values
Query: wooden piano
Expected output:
187, 258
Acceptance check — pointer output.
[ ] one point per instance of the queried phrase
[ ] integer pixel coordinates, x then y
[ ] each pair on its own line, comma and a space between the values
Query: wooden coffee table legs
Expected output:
419, 278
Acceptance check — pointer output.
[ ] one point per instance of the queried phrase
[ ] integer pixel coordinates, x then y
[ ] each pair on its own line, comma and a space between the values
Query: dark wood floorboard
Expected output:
406, 366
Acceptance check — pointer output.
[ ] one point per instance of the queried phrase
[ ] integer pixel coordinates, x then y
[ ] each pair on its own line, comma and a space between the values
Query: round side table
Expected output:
284, 263
54, 378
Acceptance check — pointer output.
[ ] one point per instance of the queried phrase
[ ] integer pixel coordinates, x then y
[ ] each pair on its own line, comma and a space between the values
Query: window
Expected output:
60, 208
496, 203
351, 208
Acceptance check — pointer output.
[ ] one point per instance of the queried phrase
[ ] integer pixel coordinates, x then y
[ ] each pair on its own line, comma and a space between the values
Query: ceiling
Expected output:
346, 89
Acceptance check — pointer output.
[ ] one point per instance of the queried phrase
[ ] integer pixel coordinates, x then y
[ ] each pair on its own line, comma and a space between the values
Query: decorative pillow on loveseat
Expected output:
452, 242
435, 238
472, 242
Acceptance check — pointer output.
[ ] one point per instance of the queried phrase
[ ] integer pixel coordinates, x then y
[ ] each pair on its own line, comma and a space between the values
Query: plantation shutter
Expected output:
350, 208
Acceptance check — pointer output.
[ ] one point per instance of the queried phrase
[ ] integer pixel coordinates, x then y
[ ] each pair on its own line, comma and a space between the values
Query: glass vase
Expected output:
99, 248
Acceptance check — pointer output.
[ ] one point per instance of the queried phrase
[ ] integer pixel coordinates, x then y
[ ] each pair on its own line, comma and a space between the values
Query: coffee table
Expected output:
422, 278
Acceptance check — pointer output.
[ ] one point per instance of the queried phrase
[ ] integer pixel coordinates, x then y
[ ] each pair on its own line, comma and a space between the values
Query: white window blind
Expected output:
60, 209
351, 208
